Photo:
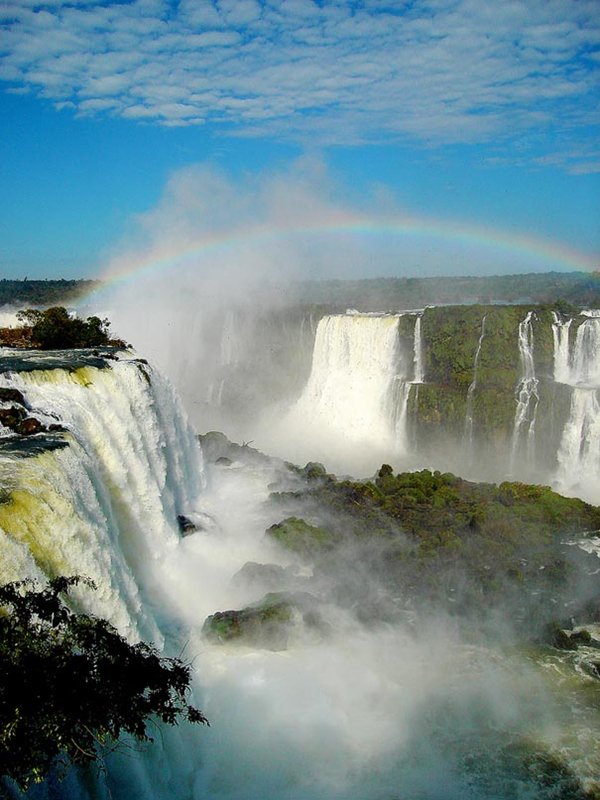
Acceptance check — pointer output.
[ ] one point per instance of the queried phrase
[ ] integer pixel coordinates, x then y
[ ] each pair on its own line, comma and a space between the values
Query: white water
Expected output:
527, 397
352, 412
578, 457
468, 431
368, 714
560, 335
419, 375
106, 506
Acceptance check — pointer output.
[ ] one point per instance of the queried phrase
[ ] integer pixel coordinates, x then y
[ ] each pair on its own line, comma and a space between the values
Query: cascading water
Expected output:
419, 373
106, 505
371, 712
468, 430
560, 335
354, 403
579, 452
527, 397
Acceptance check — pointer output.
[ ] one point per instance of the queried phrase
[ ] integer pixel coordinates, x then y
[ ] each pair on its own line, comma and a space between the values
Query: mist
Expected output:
203, 284
393, 695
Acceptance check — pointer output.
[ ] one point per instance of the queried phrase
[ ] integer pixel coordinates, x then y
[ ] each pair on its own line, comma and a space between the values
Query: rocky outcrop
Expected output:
298, 536
267, 624
473, 368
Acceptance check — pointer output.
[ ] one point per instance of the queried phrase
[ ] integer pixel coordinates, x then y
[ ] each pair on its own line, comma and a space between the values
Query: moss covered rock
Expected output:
298, 536
266, 624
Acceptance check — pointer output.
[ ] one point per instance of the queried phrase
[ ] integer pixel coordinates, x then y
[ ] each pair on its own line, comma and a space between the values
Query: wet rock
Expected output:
223, 461
297, 535
560, 637
215, 445
581, 636
314, 471
29, 427
266, 624
8, 395
186, 525
592, 668
11, 417
195, 522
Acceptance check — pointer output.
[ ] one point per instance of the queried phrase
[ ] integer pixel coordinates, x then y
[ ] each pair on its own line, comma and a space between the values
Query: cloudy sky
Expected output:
467, 127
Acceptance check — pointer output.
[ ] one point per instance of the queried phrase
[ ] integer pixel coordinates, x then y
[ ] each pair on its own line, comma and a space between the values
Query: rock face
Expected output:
186, 526
496, 388
298, 536
266, 624
15, 418
8, 395
196, 522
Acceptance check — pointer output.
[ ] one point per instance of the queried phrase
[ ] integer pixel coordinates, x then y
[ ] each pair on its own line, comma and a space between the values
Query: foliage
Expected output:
44, 293
71, 685
383, 294
436, 536
300, 537
55, 329
264, 624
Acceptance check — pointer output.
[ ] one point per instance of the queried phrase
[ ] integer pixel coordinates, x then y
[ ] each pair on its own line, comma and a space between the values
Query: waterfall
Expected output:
356, 396
579, 451
419, 375
526, 395
106, 505
585, 368
560, 336
100, 498
468, 429
372, 711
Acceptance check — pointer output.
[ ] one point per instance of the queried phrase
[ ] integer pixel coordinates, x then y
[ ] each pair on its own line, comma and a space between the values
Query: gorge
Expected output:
377, 690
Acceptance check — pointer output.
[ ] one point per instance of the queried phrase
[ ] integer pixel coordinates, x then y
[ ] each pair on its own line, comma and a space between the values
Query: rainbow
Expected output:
388, 229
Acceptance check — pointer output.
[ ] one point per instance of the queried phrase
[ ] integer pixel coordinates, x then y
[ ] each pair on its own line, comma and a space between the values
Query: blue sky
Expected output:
480, 114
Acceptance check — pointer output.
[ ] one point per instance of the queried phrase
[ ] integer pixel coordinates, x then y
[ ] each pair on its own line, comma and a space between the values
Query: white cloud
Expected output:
436, 70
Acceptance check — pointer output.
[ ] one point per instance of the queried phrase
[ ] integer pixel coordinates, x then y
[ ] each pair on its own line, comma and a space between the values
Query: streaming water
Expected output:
527, 397
468, 429
352, 411
419, 374
560, 335
366, 713
579, 452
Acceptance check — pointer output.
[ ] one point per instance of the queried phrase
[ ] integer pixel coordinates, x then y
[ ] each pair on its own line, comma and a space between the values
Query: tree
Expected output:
70, 685
55, 329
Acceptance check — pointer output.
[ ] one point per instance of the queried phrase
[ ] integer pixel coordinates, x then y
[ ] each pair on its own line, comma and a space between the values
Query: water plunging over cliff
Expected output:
468, 434
527, 397
372, 711
354, 403
560, 335
579, 452
106, 505
419, 374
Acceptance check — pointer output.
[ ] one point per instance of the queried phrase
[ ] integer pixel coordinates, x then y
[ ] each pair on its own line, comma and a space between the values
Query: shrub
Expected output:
70, 685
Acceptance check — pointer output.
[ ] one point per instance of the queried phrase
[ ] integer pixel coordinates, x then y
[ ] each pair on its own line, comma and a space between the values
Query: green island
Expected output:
434, 542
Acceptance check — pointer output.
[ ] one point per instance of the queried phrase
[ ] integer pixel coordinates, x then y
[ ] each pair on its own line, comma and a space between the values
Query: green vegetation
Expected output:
451, 337
55, 329
70, 685
300, 537
442, 539
266, 624
44, 293
383, 294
